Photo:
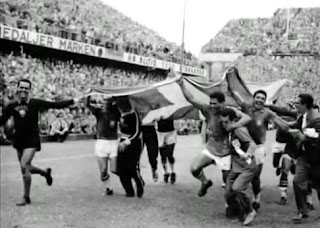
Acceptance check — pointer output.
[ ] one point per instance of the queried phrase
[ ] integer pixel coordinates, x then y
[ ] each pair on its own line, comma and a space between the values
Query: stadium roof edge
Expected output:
219, 57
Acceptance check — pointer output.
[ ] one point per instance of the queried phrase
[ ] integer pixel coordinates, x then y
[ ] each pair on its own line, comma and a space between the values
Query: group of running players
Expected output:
235, 143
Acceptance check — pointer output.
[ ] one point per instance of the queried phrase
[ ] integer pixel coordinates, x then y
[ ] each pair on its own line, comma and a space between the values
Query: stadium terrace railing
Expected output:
54, 42
114, 50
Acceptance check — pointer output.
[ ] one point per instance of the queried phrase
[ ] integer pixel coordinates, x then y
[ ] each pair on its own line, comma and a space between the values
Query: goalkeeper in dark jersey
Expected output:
130, 148
26, 138
106, 146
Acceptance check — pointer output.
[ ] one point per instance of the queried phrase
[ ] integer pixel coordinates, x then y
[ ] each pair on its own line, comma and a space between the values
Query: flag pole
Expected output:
182, 42
288, 22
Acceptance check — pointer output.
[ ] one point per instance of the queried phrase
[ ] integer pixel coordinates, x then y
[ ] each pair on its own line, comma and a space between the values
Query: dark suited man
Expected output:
306, 132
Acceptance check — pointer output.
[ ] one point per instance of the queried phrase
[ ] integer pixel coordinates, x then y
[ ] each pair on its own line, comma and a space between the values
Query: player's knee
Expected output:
195, 171
171, 160
104, 175
163, 158
24, 167
276, 159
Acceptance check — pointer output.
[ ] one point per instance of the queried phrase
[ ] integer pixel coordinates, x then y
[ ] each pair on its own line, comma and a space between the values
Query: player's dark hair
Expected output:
123, 102
264, 93
24, 80
228, 112
219, 96
316, 107
306, 99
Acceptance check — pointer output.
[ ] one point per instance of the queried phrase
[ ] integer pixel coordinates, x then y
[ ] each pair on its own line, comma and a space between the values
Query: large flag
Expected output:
165, 99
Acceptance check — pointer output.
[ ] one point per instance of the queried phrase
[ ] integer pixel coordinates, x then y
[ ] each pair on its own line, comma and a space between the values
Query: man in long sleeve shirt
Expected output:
243, 168
26, 138
130, 148
284, 153
308, 157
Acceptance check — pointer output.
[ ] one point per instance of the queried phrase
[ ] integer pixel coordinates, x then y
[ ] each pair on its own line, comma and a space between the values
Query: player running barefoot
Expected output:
106, 145
26, 138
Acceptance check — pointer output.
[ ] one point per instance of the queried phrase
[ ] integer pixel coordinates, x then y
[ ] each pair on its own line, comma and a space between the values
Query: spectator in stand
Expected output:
44, 125
59, 128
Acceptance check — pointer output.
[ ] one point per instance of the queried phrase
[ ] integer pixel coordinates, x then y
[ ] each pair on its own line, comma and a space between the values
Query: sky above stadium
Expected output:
204, 18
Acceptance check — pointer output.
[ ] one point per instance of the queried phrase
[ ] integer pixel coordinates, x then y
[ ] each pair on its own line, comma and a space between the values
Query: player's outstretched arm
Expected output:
244, 119
44, 104
198, 104
283, 111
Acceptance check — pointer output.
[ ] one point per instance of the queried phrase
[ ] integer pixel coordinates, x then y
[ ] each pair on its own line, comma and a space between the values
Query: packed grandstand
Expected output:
271, 51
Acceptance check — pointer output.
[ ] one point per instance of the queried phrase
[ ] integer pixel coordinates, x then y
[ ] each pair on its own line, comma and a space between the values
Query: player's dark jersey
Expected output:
107, 122
25, 116
165, 125
130, 125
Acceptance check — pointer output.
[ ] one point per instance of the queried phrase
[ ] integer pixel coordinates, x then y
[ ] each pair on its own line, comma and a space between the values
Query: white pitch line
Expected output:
49, 159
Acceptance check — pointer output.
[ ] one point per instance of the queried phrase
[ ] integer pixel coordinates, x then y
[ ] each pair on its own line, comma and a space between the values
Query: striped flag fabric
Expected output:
165, 99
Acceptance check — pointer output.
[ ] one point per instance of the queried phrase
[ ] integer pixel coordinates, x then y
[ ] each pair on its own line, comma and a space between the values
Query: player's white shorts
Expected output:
167, 138
278, 147
260, 154
223, 163
106, 148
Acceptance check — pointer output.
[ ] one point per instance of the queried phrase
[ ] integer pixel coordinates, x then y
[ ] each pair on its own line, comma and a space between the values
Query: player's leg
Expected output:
36, 170
197, 165
25, 162
300, 187
151, 141
133, 165
104, 175
256, 181
170, 141
101, 151
231, 209
171, 159
283, 185
309, 197
164, 161
240, 185
124, 175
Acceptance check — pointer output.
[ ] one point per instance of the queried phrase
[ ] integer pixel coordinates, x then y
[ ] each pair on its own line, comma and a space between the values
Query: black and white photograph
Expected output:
159, 113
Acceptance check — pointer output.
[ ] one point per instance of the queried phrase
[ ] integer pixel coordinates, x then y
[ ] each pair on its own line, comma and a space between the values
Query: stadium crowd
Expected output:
91, 22
263, 69
57, 80
266, 35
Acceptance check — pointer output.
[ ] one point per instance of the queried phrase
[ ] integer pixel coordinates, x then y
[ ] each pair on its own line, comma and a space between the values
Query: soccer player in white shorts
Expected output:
167, 137
217, 148
106, 146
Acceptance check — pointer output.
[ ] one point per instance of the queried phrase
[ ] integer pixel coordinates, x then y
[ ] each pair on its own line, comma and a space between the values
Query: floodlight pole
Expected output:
182, 42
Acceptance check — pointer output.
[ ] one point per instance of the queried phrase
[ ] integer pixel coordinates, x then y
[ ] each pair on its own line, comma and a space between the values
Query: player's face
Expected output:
302, 108
123, 105
225, 121
259, 100
215, 104
23, 90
